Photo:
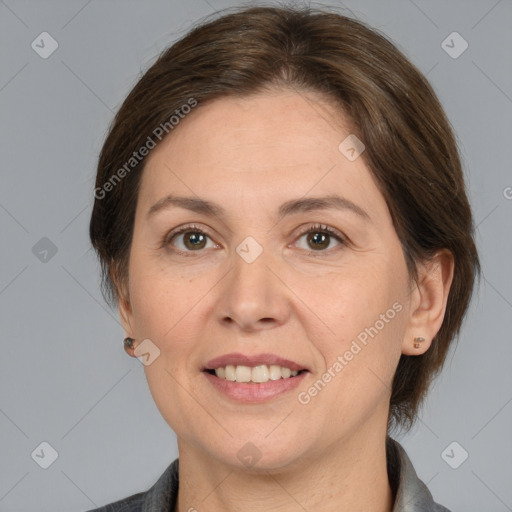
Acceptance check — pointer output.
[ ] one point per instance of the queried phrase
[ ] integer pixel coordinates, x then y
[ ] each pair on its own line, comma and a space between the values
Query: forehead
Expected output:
231, 126
276, 144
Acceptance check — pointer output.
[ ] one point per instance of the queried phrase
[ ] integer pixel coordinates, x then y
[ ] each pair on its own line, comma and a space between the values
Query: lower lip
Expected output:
244, 392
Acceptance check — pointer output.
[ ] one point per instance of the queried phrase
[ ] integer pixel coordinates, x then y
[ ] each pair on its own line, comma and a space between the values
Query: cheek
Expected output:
160, 297
354, 298
164, 307
363, 315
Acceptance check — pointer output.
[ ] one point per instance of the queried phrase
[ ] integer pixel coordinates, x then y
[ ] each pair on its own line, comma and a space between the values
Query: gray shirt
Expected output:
411, 494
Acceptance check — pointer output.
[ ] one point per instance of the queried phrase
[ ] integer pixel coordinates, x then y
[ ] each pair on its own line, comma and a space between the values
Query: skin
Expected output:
250, 155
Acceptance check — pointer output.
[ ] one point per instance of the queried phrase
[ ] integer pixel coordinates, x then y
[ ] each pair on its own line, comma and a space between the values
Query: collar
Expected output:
411, 494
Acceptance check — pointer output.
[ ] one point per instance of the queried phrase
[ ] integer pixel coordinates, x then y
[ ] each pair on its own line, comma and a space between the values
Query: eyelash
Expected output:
192, 228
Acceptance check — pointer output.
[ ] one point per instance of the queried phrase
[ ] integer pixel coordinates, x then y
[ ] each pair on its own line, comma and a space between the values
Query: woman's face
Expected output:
248, 279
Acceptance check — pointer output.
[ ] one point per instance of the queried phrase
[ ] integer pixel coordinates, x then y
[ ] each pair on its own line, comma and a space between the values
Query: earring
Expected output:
417, 342
128, 343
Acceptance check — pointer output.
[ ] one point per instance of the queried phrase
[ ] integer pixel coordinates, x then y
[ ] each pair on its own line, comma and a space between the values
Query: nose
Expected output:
253, 296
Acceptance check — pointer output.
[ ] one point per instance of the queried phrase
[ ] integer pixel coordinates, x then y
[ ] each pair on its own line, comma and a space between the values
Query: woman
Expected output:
281, 219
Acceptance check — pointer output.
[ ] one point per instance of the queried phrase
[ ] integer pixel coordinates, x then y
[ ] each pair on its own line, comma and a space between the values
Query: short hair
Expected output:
410, 148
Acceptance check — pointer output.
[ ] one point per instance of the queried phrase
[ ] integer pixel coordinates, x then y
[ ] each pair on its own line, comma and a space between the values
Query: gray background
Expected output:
64, 377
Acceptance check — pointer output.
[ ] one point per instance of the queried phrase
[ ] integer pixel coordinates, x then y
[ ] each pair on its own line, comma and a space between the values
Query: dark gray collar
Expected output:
411, 494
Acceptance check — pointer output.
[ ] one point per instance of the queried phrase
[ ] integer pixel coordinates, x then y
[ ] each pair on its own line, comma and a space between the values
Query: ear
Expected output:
123, 303
428, 301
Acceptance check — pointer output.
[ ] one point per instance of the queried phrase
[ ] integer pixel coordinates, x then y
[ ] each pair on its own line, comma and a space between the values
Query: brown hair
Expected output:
410, 148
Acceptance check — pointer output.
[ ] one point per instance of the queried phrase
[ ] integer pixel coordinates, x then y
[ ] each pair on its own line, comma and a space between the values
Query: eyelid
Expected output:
323, 228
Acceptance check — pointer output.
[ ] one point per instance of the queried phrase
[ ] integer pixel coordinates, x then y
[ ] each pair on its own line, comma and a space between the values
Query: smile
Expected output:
257, 374
250, 391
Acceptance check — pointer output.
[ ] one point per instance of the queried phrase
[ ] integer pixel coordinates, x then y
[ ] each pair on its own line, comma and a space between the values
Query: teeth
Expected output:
230, 372
243, 373
275, 372
258, 374
285, 372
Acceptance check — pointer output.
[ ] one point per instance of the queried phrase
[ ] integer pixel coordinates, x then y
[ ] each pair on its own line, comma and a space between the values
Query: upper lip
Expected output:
235, 358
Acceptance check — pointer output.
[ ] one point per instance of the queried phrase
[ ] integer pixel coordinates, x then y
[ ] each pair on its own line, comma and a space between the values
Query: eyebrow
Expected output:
305, 204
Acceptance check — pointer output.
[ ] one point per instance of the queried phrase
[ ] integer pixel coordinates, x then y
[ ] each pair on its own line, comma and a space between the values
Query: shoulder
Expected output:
130, 504
161, 497
411, 494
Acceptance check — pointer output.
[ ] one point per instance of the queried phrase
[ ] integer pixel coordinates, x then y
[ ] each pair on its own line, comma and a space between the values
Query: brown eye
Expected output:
318, 240
320, 237
187, 240
194, 240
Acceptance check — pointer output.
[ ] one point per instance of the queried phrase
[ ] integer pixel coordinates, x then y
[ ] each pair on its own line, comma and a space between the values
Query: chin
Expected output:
261, 454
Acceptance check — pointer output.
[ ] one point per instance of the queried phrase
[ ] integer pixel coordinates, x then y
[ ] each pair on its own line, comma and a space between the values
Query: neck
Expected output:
350, 475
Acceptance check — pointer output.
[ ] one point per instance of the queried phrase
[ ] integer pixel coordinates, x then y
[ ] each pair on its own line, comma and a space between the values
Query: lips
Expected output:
236, 359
